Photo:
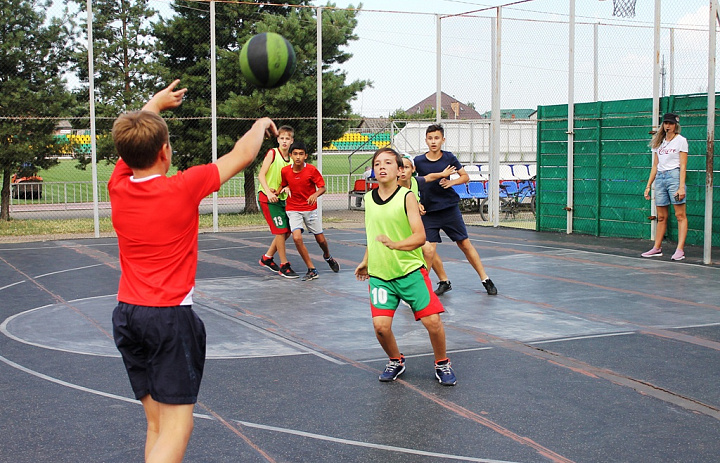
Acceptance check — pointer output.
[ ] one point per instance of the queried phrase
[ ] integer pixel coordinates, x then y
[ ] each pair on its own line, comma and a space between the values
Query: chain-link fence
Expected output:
611, 168
383, 75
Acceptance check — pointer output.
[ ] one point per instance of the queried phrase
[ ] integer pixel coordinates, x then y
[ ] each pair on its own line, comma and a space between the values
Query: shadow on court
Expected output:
589, 353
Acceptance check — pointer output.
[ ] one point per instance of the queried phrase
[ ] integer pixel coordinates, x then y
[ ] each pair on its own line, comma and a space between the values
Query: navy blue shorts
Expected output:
163, 349
449, 220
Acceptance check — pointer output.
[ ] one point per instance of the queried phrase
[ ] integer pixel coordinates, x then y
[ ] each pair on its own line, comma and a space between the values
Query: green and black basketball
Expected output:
267, 60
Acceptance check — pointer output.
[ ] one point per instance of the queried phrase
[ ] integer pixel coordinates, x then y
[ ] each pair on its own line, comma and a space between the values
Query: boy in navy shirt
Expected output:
442, 209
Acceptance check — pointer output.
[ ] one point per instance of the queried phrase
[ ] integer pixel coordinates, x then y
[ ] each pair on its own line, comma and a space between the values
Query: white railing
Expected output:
63, 194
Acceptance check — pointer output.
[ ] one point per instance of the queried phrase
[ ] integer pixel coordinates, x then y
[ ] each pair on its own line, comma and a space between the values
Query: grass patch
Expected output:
66, 170
232, 220
29, 227
34, 227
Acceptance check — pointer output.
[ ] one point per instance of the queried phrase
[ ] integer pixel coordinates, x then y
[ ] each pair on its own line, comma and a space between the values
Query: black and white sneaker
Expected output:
444, 373
287, 272
443, 287
269, 264
490, 287
310, 275
332, 263
393, 369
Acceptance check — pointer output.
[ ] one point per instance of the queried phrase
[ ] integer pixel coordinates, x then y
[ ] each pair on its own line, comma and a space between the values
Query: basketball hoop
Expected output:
624, 8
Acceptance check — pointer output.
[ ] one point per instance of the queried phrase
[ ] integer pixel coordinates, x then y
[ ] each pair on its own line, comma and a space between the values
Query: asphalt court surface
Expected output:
589, 353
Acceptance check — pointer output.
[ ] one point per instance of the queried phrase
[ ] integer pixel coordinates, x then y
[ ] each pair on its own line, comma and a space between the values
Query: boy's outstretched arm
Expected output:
463, 178
167, 98
245, 149
449, 170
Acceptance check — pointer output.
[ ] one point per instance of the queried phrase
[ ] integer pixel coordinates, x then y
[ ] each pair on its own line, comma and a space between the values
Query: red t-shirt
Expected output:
156, 221
302, 184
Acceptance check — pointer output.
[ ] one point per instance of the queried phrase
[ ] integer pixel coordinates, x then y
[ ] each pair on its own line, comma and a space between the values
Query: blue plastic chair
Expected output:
477, 190
511, 188
462, 191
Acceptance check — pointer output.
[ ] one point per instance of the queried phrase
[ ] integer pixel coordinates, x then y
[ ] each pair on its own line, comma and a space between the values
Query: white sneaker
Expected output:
654, 252
679, 255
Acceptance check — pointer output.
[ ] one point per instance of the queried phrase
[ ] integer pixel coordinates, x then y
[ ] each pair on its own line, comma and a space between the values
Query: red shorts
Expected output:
275, 215
414, 288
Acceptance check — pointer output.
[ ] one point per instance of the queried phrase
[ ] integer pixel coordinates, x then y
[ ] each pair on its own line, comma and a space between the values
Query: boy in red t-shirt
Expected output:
305, 184
160, 338
272, 202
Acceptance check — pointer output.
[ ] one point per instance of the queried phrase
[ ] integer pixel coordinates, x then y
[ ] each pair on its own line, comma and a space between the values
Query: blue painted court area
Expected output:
589, 353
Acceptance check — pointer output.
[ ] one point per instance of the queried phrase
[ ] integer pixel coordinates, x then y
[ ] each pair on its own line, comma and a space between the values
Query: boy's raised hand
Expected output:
448, 171
167, 98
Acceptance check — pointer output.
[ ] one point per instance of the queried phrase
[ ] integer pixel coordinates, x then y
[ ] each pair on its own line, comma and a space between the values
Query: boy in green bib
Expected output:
394, 266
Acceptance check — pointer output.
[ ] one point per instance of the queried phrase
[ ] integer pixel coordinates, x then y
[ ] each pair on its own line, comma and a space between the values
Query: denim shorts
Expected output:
666, 185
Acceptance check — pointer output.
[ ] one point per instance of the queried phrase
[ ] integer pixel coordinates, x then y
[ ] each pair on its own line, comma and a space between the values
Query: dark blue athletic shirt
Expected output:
432, 195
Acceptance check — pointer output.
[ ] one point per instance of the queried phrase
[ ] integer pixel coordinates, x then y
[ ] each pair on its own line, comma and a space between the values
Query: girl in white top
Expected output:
670, 152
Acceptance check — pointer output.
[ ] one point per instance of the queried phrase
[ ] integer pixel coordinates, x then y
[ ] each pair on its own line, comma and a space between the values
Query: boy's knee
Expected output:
432, 322
382, 327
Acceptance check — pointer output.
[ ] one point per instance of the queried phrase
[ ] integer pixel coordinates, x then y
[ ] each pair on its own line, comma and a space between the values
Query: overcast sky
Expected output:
396, 51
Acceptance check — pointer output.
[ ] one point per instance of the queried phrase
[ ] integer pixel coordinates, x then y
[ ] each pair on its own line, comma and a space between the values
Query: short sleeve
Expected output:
318, 179
200, 181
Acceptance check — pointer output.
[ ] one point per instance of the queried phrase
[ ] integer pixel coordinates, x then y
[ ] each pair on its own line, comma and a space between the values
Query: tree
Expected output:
32, 94
124, 64
186, 52
428, 114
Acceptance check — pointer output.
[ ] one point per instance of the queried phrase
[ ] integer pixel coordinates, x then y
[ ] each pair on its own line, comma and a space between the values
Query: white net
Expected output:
624, 8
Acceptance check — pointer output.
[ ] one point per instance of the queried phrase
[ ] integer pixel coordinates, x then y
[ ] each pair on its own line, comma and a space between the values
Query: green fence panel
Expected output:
612, 162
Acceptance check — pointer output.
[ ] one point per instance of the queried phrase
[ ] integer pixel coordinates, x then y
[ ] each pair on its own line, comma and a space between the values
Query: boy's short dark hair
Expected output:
297, 145
286, 128
388, 149
138, 137
435, 128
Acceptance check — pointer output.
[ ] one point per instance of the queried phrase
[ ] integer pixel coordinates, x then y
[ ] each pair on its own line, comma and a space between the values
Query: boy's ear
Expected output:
164, 152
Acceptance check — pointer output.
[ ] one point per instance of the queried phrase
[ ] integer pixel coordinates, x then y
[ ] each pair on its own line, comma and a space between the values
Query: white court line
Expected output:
252, 425
553, 248
390, 448
69, 270
65, 383
223, 249
429, 354
45, 248
4, 330
695, 326
53, 273
547, 341
589, 336
13, 284
270, 334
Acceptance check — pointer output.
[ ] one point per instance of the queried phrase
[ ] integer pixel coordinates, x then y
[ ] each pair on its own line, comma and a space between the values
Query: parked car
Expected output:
26, 184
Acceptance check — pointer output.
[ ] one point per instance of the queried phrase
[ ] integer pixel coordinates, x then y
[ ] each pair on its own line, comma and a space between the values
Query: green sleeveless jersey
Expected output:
415, 187
272, 177
389, 218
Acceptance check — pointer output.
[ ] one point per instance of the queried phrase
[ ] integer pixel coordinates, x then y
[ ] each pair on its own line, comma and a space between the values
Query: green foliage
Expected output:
124, 63
427, 115
186, 53
32, 95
